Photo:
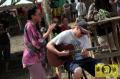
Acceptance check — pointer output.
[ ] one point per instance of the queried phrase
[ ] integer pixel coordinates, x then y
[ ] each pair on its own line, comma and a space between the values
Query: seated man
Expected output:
78, 37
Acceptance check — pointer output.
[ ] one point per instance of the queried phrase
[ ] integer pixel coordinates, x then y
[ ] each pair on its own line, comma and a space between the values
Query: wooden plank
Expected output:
104, 55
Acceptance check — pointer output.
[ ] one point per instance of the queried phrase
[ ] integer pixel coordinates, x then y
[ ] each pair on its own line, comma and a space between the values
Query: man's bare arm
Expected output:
50, 47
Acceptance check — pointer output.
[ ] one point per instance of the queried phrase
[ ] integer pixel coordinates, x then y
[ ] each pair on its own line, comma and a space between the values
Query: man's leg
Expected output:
77, 73
74, 68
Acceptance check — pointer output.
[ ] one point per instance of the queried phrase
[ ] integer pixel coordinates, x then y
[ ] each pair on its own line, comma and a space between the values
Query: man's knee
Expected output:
77, 73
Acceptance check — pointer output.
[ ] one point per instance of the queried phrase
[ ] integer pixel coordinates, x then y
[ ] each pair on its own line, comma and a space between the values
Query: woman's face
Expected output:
37, 17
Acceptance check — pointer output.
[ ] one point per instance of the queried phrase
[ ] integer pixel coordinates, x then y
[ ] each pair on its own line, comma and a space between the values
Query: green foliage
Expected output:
101, 15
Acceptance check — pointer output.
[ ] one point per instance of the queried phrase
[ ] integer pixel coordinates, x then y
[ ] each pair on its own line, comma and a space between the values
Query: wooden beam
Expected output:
92, 23
107, 54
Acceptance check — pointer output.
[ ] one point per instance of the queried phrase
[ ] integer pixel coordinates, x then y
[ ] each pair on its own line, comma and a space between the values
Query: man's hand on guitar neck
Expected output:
85, 53
63, 53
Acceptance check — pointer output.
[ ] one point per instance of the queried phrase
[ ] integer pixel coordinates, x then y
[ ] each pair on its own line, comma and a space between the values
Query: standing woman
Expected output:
34, 52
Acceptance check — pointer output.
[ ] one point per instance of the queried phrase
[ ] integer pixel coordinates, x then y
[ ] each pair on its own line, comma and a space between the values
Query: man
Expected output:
67, 11
81, 8
78, 37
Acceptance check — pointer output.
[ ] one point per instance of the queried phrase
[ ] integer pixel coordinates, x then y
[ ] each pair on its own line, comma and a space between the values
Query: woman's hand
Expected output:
50, 28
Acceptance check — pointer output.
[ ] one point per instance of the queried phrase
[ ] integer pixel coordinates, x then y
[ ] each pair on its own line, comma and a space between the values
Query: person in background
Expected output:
34, 51
114, 7
116, 4
73, 10
55, 8
64, 25
57, 29
91, 11
4, 43
81, 8
67, 11
118, 7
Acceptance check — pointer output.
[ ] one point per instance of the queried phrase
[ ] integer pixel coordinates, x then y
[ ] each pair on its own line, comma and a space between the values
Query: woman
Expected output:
34, 52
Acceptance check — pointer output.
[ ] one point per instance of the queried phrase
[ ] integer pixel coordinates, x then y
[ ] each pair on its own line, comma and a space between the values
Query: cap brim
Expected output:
84, 30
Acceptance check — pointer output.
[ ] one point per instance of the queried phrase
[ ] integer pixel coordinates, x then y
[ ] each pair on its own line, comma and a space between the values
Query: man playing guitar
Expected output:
78, 37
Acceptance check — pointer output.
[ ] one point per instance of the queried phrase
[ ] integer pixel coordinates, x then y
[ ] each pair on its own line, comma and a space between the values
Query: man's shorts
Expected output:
87, 64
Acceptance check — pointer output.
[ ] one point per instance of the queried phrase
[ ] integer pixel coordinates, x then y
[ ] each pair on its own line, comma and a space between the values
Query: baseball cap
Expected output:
83, 25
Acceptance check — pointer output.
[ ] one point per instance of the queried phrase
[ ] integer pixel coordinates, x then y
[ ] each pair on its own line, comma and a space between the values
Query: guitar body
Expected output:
55, 60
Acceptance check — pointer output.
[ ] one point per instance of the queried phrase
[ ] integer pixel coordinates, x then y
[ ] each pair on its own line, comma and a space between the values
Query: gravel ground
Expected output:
16, 43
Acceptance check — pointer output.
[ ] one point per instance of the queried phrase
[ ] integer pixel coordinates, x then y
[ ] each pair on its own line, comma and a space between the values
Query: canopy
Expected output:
24, 2
6, 3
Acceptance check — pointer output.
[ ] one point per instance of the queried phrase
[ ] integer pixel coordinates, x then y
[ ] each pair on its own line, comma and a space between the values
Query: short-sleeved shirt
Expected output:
67, 37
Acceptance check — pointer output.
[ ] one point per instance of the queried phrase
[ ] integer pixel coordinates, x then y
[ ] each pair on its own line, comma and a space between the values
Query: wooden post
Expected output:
114, 34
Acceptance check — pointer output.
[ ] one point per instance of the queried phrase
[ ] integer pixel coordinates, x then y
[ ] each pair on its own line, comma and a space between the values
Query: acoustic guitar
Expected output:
56, 61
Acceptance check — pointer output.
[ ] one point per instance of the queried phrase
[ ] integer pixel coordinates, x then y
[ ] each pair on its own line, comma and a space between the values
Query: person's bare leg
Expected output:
77, 73
58, 72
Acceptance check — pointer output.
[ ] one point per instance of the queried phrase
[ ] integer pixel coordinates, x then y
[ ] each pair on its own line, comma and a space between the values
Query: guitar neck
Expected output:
93, 48
89, 49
